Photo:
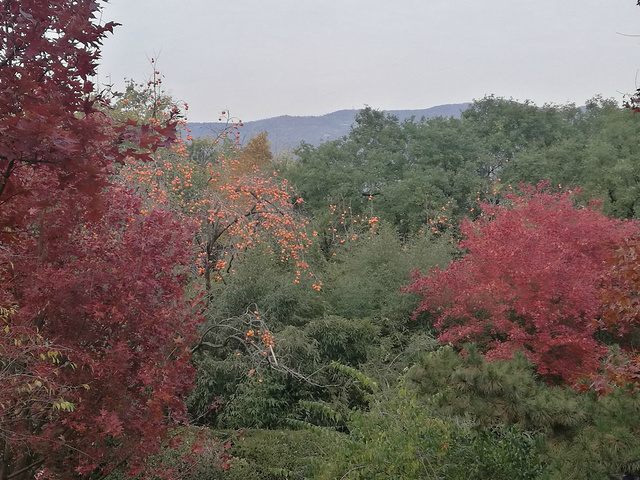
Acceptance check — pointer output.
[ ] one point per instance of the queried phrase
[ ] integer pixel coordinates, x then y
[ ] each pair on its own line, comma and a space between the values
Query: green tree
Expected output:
404, 436
365, 276
583, 435
383, 168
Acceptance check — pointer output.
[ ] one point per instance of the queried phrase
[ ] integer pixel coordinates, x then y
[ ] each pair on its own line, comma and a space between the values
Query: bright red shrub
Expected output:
529, 281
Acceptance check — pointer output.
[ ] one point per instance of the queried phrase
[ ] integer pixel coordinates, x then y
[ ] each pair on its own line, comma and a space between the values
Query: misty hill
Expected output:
287, 132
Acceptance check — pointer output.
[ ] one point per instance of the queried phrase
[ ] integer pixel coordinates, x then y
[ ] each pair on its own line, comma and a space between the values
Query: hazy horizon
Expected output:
266, 59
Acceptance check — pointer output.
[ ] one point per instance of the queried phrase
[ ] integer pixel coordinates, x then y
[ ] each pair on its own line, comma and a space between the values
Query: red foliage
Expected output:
621, 317
529, 281
109, 293
95, 331
621, 314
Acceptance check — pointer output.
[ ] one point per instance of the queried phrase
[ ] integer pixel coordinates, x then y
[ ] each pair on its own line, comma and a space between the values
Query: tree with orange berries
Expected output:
230, 191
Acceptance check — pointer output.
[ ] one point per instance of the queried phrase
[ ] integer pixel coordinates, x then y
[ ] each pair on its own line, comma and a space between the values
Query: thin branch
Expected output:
7, 174
352, 470
202, 343
35, 464
116, 466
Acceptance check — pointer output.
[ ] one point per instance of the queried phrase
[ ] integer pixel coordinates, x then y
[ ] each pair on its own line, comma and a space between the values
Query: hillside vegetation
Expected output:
441, 298
528, 216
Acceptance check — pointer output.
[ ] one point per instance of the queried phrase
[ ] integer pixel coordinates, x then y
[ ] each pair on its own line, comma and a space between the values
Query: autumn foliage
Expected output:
621, 317
106, 295
94, 325
237, 200
529, 281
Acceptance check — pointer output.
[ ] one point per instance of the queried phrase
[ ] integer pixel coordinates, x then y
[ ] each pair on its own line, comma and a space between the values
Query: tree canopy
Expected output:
529, 281
96, 327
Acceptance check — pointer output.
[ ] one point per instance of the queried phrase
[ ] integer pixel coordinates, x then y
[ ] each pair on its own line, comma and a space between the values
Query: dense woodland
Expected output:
434, 298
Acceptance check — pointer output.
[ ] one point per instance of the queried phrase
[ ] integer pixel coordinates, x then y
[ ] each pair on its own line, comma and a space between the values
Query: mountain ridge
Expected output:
286, 132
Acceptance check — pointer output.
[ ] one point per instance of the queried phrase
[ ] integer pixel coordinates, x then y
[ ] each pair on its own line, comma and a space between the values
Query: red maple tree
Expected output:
529, 281
620, 317
95, 328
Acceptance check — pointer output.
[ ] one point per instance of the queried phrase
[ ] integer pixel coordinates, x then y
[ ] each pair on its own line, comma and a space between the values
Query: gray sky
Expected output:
264, 58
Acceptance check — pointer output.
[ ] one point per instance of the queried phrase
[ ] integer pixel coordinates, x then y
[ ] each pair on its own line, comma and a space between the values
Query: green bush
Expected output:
280, 454
252, 454
365, 278
583, 435
342, 340
400, 438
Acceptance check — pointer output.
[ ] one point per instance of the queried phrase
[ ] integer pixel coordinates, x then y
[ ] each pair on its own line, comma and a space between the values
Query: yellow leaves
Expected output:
6, 312
62, 404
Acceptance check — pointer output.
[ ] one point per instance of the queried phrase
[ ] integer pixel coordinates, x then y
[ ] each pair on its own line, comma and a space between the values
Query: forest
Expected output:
443, 298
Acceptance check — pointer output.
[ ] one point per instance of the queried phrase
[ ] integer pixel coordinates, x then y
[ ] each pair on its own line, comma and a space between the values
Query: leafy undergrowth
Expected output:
247, 454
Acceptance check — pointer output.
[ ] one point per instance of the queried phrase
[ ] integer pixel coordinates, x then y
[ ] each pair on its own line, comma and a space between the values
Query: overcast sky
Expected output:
264, 58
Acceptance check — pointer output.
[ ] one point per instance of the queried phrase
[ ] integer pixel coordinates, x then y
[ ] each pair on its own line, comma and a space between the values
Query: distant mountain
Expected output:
287, 132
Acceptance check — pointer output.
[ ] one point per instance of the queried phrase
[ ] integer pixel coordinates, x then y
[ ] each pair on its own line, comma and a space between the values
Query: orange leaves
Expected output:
439, 223
236, 204
256, 156
254, 205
